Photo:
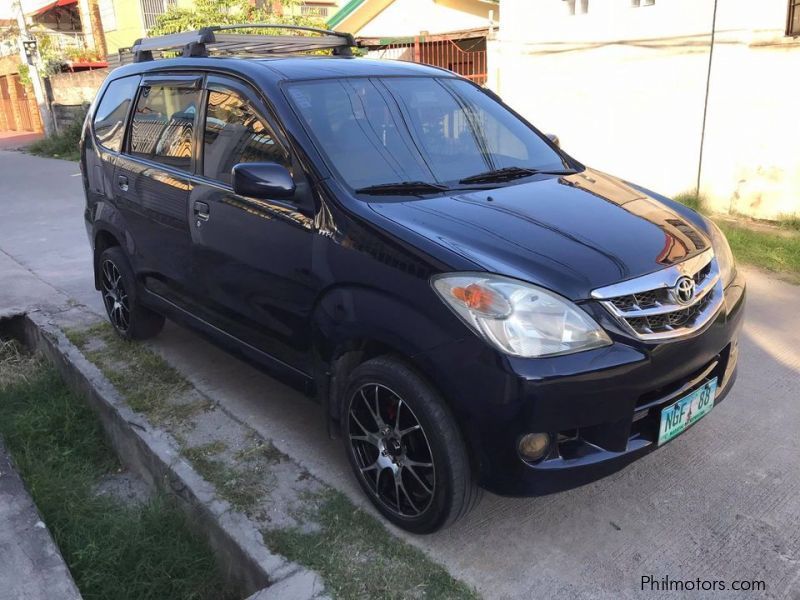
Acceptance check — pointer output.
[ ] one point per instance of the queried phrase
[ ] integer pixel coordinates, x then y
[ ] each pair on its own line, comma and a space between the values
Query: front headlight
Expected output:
519, 318
722, 250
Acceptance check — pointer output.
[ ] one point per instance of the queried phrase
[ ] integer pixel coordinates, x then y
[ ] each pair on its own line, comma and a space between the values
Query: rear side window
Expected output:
163, 125
109, 118
236, 133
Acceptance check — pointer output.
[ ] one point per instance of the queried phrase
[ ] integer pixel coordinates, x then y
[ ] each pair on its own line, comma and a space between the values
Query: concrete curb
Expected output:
32, 566
154, 455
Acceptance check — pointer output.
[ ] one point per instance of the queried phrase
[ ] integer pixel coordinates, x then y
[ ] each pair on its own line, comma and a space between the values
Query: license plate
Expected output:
685, 412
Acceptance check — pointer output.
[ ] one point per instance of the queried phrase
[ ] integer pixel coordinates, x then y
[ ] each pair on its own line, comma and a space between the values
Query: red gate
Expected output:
465, 56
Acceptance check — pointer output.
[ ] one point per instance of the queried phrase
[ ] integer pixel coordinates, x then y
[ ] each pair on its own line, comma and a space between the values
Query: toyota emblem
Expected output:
684, 290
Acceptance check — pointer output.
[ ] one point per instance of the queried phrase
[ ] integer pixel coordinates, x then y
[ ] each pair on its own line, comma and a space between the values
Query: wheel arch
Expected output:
353, 324
103, 240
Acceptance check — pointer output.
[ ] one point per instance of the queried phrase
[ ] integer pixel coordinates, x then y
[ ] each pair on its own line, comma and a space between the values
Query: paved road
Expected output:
720, 503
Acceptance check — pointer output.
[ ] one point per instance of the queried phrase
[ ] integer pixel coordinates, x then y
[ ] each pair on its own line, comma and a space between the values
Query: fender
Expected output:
108, 221
357, 320
349, 313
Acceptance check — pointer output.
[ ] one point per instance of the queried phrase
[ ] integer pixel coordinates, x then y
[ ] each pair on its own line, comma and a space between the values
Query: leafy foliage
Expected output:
205, 13
64, 145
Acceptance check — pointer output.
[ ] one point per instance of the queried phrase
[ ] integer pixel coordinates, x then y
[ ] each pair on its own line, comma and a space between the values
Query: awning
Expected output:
55, 4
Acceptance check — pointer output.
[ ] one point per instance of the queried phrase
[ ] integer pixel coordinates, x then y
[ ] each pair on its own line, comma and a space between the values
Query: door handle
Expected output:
122, 182
201, 211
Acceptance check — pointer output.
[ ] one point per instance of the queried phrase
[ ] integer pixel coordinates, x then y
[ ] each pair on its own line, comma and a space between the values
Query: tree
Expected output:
205, 13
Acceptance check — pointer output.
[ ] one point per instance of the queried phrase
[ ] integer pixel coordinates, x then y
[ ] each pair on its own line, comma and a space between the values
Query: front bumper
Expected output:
602, 406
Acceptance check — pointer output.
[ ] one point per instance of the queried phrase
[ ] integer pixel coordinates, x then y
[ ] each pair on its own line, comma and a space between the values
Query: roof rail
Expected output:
208, 40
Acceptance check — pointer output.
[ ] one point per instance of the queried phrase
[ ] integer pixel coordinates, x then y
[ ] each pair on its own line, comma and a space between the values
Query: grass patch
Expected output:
61, 145
113, 550
780, 254
790, 223
355, 554
776, 251
691, 199
142, 376
17, 367
359, 558
242, 486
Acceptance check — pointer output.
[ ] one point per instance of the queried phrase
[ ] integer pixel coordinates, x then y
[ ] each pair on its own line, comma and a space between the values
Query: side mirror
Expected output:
262, 180
554, 138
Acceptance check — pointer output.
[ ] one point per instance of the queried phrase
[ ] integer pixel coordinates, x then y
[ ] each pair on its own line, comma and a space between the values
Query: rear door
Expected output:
254, 254
153, 179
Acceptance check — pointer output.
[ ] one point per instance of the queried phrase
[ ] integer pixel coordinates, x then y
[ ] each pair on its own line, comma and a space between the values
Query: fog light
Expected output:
533, 446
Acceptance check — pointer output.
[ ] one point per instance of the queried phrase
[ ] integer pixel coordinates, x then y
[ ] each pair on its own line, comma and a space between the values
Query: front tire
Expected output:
405, 448
130, 319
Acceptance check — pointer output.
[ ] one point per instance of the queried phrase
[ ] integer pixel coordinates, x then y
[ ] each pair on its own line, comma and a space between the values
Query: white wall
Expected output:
624, 88
410, 17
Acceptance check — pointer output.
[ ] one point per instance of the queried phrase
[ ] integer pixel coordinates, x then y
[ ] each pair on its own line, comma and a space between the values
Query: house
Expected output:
672, 94
66, 34
125, 21
446, 33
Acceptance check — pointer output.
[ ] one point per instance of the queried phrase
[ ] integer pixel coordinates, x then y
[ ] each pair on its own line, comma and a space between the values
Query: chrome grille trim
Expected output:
647, 308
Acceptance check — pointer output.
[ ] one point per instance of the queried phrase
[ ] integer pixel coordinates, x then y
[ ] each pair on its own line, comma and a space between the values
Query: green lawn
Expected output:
113, 550
776, 250
777, 253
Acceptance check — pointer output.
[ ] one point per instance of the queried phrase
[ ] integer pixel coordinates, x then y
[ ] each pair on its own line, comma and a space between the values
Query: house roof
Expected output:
52, 5
344, 12
369, 8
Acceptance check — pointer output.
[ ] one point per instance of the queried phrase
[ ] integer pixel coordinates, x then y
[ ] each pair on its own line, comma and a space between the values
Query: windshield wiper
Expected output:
510, 173
404, 187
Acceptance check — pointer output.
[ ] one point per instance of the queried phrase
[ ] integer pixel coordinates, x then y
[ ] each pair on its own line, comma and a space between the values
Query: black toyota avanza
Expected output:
471, 306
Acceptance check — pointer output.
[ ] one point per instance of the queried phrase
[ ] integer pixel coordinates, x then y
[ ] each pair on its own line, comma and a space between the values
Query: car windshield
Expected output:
388, 130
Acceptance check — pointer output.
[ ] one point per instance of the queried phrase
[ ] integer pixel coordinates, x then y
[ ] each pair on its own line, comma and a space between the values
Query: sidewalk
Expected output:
31, 565
12, 140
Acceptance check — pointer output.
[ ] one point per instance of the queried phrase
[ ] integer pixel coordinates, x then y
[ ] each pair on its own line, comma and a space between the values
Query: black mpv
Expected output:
470, 305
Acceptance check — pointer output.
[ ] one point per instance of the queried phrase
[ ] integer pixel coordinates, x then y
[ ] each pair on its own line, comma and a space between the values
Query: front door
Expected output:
254, 254
152, 182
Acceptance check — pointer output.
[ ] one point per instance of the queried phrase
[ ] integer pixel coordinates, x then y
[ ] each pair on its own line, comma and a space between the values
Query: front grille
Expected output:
651, 306
672, 320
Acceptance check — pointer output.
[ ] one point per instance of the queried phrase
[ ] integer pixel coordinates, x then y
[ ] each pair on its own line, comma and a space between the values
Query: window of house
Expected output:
793, 22
109, 118
151, 9
236, 133
577, 7
163, 124
107, 15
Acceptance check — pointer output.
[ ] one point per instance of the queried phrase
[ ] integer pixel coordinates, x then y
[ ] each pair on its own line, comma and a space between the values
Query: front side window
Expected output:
163, 125
109, 118
236, 133
423, 129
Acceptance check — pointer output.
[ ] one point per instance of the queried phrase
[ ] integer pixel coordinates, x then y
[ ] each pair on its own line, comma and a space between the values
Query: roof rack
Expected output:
208, 40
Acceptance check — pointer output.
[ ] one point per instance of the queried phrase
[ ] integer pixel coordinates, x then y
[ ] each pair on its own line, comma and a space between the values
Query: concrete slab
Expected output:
42, 225
720, 502
31, 566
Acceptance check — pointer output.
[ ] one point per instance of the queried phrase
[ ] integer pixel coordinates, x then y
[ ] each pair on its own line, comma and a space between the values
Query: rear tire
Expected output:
405, 448
130, 319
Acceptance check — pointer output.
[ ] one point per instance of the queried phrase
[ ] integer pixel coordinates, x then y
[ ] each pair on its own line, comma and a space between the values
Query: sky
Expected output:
7, 11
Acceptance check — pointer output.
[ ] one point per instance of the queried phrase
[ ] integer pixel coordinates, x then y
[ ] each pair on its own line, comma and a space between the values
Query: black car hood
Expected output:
570, 234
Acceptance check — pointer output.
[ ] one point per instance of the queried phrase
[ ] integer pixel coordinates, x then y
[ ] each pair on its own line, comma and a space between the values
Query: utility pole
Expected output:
31, 60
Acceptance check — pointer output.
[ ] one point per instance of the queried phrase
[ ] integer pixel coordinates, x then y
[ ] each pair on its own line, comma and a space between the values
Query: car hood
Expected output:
570, 234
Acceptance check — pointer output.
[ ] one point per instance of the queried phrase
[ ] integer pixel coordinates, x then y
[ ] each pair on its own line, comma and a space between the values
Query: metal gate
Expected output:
25, 122
7, 121
467, 57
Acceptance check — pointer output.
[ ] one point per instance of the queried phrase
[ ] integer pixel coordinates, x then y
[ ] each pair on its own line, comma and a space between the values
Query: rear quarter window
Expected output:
109, 118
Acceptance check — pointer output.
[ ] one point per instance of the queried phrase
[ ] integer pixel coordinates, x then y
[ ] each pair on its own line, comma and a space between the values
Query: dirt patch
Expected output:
124, 487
